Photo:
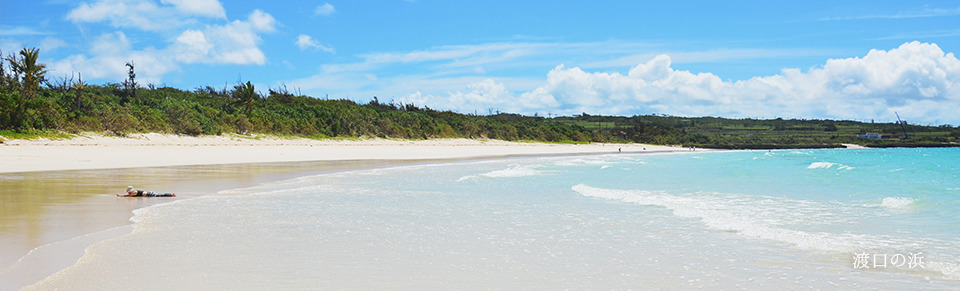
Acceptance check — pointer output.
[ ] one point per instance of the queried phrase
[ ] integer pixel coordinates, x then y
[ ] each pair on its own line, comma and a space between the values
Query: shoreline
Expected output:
324, 215
41, 238
193, 167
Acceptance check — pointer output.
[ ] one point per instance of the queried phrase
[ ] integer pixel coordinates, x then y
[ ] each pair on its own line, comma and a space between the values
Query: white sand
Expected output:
61, 247
93, 151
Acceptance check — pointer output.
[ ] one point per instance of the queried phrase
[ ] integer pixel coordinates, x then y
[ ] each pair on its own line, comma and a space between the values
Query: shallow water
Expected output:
47, 219
755, 219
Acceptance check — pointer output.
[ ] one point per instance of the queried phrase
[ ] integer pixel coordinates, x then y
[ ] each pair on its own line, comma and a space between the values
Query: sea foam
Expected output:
897, 202
758, 217
828, 165
820, 165
512, 172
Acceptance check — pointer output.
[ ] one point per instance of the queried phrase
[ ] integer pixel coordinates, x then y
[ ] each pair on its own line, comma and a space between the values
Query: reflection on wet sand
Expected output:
53, 216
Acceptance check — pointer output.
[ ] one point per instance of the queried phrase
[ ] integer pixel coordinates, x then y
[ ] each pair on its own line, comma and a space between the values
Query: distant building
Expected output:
870, 135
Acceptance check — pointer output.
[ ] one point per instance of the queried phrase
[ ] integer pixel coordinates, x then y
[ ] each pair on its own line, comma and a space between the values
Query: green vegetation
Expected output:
65, 105
68, 106
33, 134
715, 132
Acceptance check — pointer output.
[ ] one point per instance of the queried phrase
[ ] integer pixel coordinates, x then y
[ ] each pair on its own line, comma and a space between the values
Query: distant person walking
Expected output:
131, 192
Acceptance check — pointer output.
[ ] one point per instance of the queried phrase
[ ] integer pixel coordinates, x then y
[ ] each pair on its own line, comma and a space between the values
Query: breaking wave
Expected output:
772, 218
828, 165
512, 172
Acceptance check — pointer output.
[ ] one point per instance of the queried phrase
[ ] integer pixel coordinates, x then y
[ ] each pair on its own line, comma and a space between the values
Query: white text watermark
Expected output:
876, 261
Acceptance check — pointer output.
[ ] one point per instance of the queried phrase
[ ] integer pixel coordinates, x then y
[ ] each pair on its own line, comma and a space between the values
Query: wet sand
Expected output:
58, 196
47, 219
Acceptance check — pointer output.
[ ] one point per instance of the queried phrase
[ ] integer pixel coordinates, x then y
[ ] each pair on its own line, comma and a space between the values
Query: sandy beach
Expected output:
91, 151
58, 194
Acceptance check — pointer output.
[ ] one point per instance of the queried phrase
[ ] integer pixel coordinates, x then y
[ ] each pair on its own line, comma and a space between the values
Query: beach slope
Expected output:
91, 151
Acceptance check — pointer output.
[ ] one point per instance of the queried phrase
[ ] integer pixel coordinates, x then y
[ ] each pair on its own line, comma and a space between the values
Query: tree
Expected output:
130, 84
7, 81
245, 94
281, 94
78, 87
31, 75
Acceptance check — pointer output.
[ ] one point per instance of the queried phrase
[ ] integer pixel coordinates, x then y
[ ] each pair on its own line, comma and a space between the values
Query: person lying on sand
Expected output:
131, 192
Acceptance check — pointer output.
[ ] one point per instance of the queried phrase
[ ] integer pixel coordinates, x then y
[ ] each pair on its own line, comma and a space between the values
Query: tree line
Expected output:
29, 101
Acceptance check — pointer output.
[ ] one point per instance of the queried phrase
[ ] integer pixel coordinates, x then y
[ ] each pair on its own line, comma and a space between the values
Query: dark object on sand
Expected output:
131, 192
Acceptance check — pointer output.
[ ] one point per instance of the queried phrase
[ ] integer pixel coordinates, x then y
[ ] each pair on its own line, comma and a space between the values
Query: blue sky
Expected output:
862, 60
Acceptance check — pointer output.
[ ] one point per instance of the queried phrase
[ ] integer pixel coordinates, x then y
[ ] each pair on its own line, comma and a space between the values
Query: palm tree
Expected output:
31, 74
245, 94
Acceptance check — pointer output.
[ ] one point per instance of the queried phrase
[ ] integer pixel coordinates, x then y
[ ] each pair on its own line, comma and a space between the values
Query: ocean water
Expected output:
823, 219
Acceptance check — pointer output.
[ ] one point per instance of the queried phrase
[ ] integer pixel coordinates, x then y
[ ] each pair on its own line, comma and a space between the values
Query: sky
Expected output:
859, 60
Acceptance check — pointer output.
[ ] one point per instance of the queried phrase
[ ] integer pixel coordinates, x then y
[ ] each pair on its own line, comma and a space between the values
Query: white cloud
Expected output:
326, 9
20, 31
108, 54
719, 55
486, 93
236, 42
139, 14
192, 47
209, 8
479, 96
146, 14
49, 44
482, 53
9, 46
305, 41
452, 59
46, 45
262, 21
918, 80
925, 12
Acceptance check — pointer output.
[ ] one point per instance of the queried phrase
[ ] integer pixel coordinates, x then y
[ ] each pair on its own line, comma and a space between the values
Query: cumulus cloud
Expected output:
139, 14
261, 21
192, 47
145, 14
305, 41
235, 42
918, 80
326, 9
238, 42
484, 94
479, 96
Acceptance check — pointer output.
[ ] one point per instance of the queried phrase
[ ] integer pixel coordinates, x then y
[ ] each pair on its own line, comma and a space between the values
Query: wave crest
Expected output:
897, 202
827, 165
511, 172
758, 217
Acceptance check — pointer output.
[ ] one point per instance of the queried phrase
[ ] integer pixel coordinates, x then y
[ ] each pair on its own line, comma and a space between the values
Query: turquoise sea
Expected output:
819, 219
